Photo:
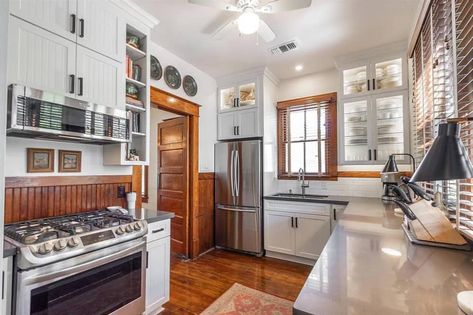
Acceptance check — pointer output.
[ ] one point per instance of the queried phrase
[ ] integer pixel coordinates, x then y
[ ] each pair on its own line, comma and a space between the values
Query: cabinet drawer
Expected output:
157, 230
297, 207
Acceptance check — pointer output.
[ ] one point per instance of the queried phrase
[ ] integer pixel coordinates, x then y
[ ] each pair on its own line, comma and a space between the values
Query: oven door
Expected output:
107, 281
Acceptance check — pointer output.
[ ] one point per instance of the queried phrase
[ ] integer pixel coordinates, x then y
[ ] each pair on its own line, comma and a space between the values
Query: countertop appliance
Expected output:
34, 113
238, 196
88, 263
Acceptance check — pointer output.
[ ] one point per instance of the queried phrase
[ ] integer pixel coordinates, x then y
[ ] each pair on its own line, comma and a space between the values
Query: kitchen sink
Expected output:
299, 196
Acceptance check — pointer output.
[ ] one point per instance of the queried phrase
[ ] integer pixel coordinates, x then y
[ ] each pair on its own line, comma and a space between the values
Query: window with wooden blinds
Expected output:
464, 96
307, 137
442, 72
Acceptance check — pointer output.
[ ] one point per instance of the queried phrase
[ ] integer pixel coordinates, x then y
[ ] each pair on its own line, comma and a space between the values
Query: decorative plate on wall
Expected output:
156, 69
189, 85
172, 77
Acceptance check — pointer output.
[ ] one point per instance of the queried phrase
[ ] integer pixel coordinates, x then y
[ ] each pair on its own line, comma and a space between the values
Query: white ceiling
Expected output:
329, 28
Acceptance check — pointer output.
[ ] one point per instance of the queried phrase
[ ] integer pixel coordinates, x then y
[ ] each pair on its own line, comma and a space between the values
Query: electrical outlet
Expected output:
121, 192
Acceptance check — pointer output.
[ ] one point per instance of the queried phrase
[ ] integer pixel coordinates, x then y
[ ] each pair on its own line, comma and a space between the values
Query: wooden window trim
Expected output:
332, 165
145, 195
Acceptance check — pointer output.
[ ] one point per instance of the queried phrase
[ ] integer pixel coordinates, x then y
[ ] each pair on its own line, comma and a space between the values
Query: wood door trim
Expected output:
41, 181
164, 100
208, 175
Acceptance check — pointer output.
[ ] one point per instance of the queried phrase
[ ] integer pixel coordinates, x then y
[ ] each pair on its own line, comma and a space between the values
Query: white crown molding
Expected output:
248, 74
136, 12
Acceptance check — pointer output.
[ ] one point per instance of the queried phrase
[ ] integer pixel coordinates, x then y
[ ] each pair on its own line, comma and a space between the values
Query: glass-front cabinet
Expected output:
241, 95
374, 127
374, 76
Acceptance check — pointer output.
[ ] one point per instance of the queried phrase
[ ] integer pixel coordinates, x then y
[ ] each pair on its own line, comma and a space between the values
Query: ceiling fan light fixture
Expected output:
248, 22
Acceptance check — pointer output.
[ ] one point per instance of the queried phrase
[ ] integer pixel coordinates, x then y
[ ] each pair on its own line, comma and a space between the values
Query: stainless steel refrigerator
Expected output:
238, 196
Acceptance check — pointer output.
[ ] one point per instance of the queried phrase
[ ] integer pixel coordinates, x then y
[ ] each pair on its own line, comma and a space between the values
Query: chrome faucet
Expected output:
301, 178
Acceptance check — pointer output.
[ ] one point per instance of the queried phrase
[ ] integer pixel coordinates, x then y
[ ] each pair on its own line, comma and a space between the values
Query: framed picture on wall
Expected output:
70, 161
39, 160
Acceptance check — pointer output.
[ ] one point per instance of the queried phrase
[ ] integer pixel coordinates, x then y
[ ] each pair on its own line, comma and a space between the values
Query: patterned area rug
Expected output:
240, 300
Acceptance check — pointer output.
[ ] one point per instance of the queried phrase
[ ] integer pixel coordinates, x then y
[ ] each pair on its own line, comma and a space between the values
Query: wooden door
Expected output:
173, 179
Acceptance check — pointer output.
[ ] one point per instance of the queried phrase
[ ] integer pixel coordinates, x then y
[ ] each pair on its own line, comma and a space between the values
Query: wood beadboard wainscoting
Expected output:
28, 198
203, 219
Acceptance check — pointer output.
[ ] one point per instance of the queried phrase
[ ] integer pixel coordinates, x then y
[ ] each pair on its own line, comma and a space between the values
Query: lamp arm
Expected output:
412, 158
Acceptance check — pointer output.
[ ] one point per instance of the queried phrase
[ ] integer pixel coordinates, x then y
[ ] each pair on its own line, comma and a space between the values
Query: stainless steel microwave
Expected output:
34, 113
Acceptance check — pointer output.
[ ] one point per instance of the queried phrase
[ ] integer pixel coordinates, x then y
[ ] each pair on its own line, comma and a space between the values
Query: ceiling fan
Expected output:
249, 21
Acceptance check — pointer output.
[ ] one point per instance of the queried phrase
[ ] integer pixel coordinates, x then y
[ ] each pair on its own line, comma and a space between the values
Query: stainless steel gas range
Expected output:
90, 263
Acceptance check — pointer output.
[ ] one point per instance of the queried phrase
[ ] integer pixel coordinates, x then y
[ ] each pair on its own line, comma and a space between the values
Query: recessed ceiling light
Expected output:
299, 67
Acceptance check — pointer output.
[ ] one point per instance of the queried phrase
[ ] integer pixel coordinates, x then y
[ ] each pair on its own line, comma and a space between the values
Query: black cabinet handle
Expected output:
234, 102
238, 102
72, 79
73, 23
297, 223
234, 130
158, 230
81, 24
374, 84
147, 259
81, 86
369, 155
375, 154
292, 221
334, 214
238, 130
368, 82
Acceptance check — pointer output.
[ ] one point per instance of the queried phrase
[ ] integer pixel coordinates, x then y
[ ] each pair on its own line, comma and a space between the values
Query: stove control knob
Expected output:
120, 230
73, 242
45, 248
137, 226
129, 228
60, 245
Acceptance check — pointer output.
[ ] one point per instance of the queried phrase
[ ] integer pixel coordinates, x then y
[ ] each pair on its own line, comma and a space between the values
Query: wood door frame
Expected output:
169, 102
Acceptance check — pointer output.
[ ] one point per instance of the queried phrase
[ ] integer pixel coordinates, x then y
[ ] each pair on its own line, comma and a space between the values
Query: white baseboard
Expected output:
296, 259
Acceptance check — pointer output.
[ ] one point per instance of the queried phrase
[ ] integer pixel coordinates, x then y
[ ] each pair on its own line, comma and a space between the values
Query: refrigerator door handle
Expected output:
252, 210
232, 182
237, 175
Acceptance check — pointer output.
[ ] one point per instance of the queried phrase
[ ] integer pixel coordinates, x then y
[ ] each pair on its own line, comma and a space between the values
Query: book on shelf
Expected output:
135, 122
129, 67
134, 101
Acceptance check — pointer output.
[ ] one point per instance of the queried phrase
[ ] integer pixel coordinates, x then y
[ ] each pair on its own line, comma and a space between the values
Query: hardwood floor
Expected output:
196, 284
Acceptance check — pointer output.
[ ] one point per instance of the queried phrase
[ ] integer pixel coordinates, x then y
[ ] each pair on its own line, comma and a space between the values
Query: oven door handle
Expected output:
90, 264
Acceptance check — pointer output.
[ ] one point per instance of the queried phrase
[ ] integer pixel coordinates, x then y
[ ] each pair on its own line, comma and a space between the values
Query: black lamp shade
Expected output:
447, 159
391, 165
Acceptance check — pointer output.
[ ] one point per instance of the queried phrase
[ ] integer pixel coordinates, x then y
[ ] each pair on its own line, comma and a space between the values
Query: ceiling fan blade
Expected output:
266, 32
284, 5
224, 29
218, 4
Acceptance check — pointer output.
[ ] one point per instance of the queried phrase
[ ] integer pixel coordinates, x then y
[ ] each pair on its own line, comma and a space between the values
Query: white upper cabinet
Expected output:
240, 95
39, 59
57, 16
100, 80
100, 28
376, 75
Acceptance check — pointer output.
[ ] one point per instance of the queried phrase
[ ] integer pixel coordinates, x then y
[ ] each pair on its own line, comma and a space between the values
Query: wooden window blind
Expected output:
442, 73
307, 137
464, 95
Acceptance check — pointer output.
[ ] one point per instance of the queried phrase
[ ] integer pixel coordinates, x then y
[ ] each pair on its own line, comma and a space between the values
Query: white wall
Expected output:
157, 116
309, 85
92, 156
206, 97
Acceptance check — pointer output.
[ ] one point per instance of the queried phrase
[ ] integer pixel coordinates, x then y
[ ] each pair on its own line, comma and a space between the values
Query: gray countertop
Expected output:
369, 267
8, 249
333, 200
151, 215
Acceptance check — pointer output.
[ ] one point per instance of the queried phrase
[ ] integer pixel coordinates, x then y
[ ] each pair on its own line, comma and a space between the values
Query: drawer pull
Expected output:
158, 230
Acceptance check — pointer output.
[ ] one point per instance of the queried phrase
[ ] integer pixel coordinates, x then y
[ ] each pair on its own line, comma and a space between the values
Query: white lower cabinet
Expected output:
7, 289
158, 266
295, 229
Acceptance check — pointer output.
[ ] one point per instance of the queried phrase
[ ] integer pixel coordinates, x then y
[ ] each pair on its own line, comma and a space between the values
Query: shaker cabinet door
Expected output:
100, 80
100, 28
226, 126
40, 59
247, 122
157, 274
312, 233
279, 234
56, 16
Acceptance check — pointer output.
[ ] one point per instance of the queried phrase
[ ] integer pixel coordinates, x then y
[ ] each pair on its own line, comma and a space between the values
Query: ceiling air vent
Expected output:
285, 48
